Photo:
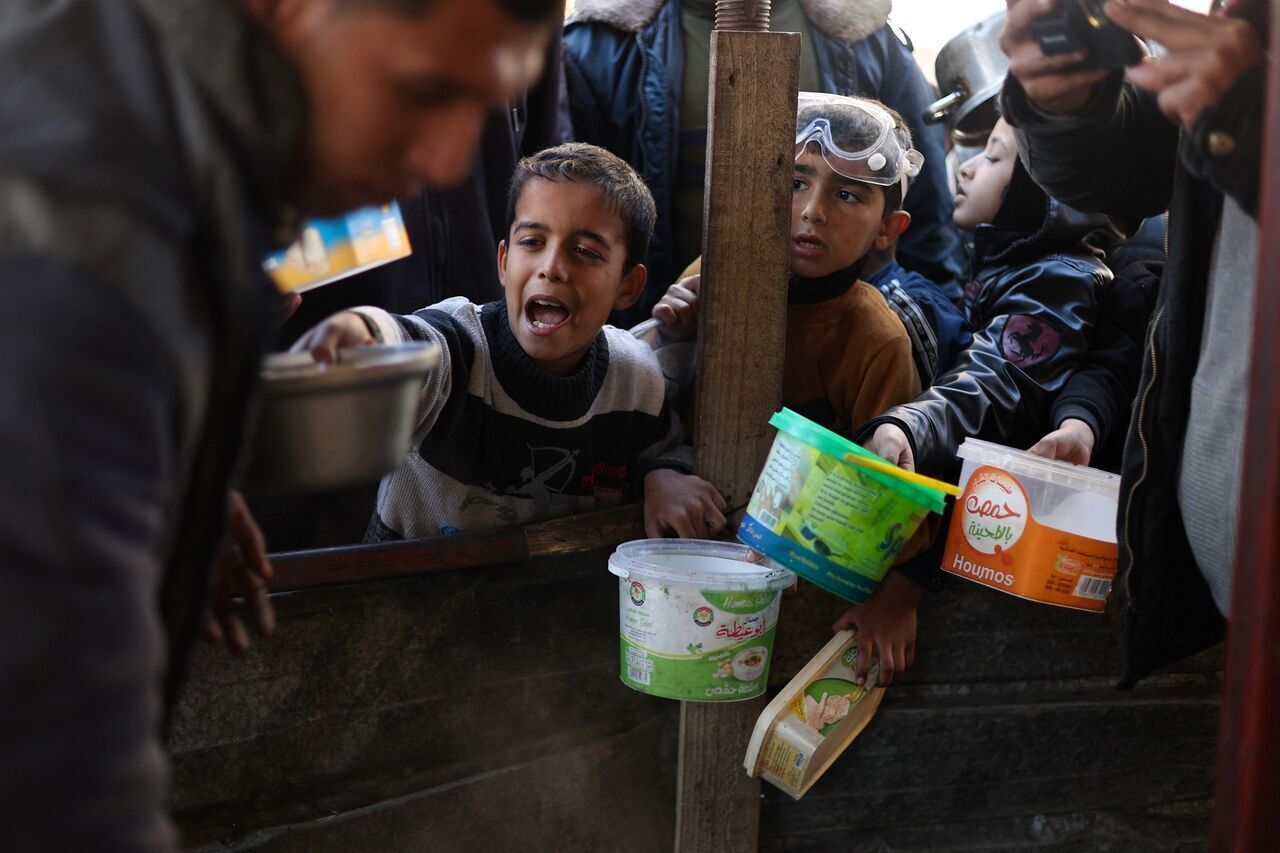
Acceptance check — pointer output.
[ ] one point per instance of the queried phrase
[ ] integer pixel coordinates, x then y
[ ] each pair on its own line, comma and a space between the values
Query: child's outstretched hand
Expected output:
890, 442
682, 504
678, 308
1071, 442
886, 625
344, 329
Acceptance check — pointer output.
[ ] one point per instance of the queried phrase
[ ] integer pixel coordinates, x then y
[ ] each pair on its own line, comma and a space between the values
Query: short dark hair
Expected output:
526, 11
624, 190
854, 130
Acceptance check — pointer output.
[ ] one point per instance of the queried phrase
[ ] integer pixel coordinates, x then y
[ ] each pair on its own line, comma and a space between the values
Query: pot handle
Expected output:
938, 110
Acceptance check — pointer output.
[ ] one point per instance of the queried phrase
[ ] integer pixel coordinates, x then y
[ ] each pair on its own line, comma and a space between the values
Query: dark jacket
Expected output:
1124, 157
1031, 301
1102, 389
141, 148
938, 331
623, 67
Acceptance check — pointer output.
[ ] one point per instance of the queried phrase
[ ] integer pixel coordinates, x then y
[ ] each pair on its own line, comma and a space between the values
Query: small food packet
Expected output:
814, 718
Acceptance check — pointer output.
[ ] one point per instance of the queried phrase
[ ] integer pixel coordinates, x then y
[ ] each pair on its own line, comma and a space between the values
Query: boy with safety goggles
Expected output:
848, 356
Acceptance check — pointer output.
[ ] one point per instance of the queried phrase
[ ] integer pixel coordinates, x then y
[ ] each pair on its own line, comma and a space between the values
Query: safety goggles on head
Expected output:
884, 161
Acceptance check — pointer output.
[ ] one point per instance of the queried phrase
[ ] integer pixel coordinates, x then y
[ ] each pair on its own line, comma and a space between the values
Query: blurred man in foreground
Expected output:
151, 151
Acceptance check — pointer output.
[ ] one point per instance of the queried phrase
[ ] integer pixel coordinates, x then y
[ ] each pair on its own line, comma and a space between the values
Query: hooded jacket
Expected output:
624, 72
142, 147
1036, 277
1122, 156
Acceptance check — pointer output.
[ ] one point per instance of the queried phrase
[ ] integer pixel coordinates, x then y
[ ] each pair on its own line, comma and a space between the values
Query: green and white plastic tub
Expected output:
697, 618
834, 524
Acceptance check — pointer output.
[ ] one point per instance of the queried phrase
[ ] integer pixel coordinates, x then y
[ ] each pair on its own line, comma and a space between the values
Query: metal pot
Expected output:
970, 69
331, 426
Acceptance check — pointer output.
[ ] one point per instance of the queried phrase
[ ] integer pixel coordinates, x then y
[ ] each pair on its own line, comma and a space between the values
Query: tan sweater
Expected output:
848, 359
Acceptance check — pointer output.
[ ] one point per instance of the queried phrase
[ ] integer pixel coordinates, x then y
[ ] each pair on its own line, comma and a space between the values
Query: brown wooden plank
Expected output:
750, 145
585, 532
1247, 810
356, 563
745, 260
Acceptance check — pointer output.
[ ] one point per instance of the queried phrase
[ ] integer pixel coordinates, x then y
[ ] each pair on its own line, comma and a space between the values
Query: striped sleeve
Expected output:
665, 447
438, 324
660, 443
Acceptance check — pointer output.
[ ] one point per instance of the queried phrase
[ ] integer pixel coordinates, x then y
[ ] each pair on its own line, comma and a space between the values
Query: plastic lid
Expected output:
836, 446
1020, 462
727, 564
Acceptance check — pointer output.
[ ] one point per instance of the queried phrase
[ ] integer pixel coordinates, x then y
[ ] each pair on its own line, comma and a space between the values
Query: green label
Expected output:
740, 602
840, 515
738, 672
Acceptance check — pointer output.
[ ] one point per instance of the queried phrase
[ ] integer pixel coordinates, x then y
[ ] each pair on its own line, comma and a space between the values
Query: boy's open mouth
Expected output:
807, 245
545, 314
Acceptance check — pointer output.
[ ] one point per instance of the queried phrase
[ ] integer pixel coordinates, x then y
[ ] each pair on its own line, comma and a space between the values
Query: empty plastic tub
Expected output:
697, 619
1033, 527
834, 524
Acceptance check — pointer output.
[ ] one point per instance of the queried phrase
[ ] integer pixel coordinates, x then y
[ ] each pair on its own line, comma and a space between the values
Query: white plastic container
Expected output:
1033, 527
697, 618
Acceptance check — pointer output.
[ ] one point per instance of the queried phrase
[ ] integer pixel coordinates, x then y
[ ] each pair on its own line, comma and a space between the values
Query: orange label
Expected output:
994, 541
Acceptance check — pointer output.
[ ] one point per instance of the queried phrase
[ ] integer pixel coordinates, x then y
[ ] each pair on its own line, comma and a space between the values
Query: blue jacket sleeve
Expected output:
86, 447
600, 63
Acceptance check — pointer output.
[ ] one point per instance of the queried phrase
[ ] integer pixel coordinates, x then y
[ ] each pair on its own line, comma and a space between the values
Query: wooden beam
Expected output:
742, 341
358, 563
1246, 813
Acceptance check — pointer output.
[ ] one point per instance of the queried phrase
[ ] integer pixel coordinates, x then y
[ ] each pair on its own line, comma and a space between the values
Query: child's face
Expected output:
562, 272
984, 177
834, 220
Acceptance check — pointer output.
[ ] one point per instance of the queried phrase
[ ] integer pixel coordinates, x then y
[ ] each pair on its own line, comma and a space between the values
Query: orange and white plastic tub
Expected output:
1034, 528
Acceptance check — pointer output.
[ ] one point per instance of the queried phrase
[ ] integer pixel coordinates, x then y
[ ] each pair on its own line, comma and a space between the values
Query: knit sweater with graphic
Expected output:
500, 441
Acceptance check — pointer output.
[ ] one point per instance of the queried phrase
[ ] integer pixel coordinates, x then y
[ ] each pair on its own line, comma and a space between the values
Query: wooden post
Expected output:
750, 153
1246, 813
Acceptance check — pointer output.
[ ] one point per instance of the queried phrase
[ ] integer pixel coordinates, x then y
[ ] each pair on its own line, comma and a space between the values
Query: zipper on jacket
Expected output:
1146, 461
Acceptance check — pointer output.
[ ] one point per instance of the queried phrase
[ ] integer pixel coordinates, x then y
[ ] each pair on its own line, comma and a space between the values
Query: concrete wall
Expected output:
1008, 734
481, 711
470, 711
